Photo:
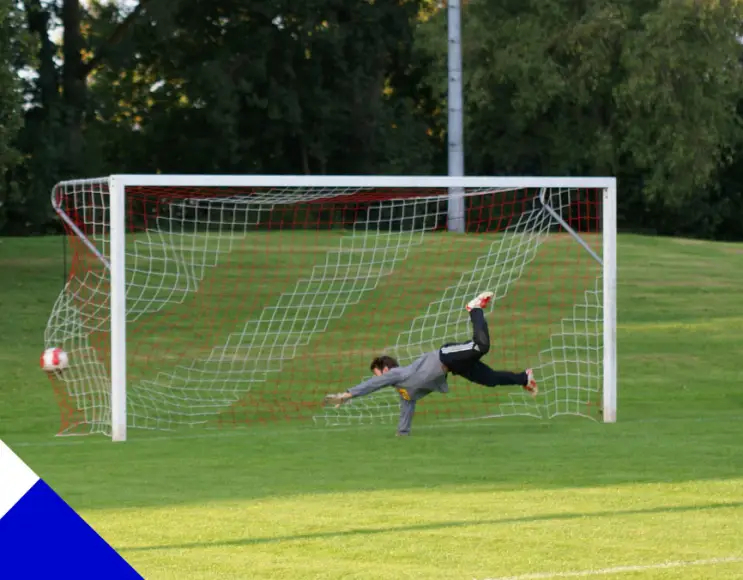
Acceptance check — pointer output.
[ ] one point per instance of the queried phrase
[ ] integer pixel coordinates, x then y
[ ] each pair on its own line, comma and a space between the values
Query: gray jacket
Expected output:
421, 377
414, 381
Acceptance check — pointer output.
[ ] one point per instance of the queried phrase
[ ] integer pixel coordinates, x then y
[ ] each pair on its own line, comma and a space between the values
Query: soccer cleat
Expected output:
531, 383
481, 301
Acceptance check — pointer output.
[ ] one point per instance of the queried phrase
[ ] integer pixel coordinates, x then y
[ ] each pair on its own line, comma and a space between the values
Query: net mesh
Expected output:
249, 304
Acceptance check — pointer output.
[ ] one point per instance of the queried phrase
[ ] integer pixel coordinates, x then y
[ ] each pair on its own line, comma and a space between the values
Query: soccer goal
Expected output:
197, 300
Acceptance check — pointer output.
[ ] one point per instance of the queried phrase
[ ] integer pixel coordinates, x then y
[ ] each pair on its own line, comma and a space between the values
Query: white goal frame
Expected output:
117, 185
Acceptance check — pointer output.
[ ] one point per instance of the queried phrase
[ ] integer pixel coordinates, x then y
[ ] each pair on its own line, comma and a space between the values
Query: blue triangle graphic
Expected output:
42, 537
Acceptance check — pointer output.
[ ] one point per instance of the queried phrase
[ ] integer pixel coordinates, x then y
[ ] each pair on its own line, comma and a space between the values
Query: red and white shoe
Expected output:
531, 383
481, 301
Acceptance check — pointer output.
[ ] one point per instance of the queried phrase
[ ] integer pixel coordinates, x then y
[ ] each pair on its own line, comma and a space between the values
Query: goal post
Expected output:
211, 300
609, 274
117, 273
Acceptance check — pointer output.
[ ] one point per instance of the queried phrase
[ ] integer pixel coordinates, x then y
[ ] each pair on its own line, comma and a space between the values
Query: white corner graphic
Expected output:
16, 478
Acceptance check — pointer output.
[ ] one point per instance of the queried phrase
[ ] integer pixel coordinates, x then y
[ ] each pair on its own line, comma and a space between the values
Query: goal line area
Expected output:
239, 303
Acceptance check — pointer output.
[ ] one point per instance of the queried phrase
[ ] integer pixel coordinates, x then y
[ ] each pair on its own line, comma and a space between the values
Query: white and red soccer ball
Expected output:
54, 359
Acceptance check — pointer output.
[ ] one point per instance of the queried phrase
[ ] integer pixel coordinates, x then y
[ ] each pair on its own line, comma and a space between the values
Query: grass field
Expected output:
657, 495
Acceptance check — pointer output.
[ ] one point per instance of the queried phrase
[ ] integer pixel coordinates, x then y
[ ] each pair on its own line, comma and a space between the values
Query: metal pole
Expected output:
455, 113
117, 273
610, 303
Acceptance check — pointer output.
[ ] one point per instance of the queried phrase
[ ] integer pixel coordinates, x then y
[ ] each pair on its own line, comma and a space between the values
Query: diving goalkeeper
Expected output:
429, 372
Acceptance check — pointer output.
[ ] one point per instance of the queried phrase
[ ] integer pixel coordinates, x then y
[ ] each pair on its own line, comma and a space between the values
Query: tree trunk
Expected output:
305, 157
73, 84
38, 24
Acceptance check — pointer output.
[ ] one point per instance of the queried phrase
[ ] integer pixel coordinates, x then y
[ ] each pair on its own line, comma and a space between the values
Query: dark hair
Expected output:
383, 361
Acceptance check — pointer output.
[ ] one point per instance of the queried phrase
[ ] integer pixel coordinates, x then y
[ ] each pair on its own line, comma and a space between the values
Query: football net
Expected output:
246, 304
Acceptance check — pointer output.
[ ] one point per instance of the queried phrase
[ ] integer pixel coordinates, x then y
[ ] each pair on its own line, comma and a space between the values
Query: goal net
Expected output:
248, 299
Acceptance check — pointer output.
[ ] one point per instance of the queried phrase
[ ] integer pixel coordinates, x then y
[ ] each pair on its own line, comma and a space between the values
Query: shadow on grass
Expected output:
434, 526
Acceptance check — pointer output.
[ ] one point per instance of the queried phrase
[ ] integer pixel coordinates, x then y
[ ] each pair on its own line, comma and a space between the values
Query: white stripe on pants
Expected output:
459, 347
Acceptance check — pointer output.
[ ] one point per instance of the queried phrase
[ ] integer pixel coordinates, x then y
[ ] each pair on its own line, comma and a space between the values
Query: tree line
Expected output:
649, 91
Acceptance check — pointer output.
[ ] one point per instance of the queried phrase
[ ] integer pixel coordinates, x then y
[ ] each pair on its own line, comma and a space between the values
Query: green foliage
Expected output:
298, 86
536, 74
677, 102
647, 90
12, 48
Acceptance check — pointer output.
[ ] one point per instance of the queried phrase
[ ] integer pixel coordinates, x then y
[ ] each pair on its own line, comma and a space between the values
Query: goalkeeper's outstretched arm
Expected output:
391, 377
407, 405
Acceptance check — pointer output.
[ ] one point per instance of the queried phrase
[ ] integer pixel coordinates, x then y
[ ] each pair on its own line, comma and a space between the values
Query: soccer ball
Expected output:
54, 359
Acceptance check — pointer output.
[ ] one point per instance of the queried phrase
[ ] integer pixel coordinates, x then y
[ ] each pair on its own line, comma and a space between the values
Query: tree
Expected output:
55, 140
677, 107
309, 86
12, 48
84, 49
643, 89
647, 90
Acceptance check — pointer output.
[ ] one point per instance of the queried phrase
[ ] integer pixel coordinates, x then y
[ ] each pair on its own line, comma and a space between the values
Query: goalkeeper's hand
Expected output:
337, 399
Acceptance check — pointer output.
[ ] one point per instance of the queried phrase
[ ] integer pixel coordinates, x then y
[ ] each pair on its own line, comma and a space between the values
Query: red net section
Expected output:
248, 305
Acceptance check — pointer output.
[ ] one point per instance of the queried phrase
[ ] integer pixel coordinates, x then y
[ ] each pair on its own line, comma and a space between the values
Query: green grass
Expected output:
482, 499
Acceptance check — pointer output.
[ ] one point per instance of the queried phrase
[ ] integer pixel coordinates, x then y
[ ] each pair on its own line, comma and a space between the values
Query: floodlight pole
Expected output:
455, 131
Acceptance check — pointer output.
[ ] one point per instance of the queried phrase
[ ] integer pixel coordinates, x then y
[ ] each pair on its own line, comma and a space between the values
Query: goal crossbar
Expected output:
359, 181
